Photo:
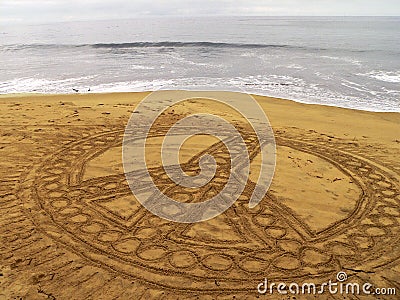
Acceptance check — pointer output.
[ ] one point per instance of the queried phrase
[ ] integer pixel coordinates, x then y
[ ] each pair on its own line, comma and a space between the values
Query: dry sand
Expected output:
71, 229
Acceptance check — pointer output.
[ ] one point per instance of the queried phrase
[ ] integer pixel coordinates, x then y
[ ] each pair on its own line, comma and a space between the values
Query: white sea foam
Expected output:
41, 85
348, 60
140, 67
281, 86
391, 76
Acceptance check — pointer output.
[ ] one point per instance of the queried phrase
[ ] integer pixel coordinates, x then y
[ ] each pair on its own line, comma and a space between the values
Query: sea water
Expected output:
351, 62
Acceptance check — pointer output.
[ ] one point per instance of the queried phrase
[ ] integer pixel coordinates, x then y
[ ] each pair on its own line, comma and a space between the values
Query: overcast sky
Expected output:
43, 11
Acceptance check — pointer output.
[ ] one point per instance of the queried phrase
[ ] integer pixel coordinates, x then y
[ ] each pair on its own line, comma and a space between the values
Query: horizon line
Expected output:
23, 22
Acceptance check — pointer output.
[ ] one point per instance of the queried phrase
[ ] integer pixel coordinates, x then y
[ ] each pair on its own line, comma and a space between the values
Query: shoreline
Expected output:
112, 108
38, 94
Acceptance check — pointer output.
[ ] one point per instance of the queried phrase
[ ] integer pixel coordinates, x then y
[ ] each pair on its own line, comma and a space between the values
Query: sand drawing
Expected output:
90, 238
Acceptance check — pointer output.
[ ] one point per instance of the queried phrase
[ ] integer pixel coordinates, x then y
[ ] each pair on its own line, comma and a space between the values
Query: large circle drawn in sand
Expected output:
266, 241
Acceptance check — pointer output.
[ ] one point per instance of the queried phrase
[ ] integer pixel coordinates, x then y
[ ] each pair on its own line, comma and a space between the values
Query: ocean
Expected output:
351, 62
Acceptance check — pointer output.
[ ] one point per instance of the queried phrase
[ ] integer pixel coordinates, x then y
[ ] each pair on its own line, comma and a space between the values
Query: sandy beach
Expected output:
71, 229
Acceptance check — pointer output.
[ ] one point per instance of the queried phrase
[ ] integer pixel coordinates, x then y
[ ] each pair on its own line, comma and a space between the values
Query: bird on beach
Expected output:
75, 90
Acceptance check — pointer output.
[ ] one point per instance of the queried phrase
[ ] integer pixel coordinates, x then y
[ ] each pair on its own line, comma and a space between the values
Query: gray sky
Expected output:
43, 11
